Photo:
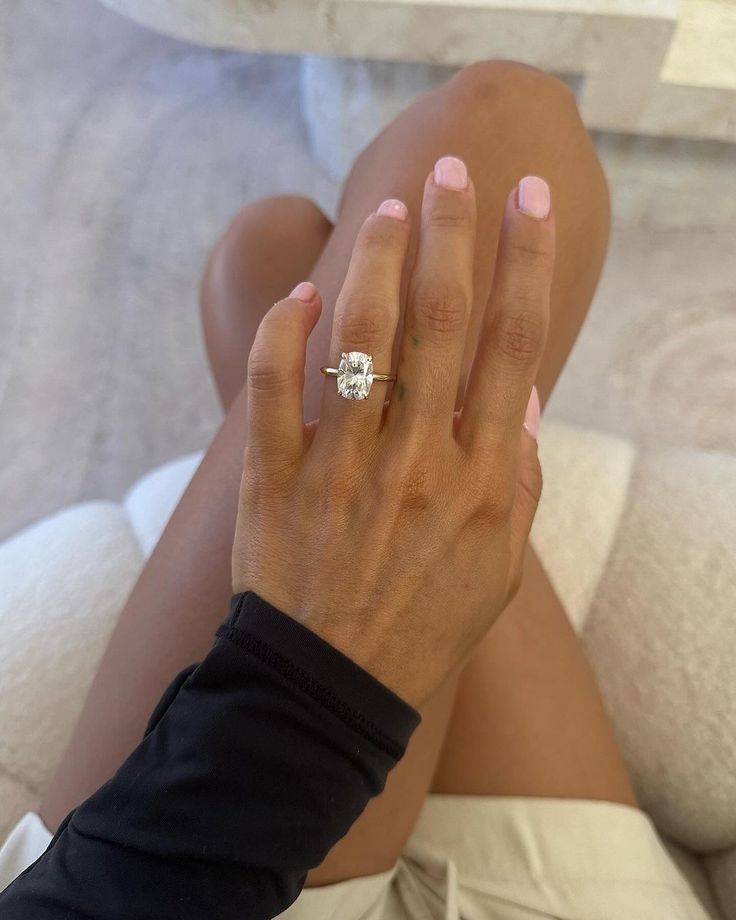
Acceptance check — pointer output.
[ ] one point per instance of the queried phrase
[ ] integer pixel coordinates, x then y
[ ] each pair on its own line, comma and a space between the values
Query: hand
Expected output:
396, 532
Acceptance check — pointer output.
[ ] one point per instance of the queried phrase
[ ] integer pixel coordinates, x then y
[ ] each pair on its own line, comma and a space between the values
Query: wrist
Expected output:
320, 662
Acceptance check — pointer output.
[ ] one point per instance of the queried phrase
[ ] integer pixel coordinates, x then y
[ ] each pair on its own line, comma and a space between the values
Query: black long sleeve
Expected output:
255, 763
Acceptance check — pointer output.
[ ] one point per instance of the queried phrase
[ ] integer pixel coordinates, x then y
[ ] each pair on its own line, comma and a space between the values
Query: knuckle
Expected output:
267, 374
520, 335
455, 215
416, 488
480, 486
495, 505
366, 323
406, 482
441, 307
528, 299
378, 233
533, 254
489, 481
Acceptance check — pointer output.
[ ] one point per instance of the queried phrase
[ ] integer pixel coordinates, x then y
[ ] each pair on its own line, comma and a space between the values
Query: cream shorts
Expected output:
477, 858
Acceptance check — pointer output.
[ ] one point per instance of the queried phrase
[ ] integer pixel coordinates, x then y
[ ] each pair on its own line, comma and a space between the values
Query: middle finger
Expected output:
439, 303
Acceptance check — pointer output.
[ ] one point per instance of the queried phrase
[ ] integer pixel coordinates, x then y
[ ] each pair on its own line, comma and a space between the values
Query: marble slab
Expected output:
659, 67
703, 49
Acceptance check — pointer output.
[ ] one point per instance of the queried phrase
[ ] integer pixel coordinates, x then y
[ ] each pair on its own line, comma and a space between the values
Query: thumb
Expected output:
276, 375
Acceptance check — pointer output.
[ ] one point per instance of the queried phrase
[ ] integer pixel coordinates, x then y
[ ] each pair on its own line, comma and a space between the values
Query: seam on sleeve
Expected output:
306, 682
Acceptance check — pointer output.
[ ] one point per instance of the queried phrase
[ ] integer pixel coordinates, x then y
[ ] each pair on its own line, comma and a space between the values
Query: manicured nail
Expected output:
532, 417
304, 291
533, 197
392, 207
451, 172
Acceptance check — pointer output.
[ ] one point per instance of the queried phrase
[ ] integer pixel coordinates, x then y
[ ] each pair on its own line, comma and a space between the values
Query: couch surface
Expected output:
639, 545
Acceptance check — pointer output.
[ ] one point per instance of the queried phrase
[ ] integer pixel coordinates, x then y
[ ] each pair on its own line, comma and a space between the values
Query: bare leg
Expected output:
183, 592
504, 120
528, 717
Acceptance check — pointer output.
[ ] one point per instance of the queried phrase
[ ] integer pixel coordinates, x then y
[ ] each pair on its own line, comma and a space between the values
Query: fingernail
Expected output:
392, 207
533, 197
532, 417
304, 291
451, 172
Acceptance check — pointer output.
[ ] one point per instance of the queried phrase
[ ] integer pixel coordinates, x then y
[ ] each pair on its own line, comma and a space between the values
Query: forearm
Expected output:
259, 763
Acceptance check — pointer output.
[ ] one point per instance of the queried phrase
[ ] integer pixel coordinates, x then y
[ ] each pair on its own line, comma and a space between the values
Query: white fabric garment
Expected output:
27, 841
478, 858
483, 858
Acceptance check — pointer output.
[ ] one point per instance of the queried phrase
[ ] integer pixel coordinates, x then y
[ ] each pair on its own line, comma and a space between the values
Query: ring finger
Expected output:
365, 320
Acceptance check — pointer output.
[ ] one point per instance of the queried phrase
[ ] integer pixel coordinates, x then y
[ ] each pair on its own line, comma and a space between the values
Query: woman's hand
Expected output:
396, 532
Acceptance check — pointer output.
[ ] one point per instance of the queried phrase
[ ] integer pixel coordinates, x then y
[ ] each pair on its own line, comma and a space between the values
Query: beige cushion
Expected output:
641, 548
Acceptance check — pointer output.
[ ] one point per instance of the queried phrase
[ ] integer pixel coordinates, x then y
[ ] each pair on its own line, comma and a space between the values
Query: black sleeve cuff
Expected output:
321, 671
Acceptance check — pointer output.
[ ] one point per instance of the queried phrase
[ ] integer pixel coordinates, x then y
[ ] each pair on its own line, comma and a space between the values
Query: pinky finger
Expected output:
513, 332
528, 491
276, 376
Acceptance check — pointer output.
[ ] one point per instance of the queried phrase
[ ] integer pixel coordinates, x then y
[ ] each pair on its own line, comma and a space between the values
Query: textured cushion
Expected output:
641, 549
62, 583
639, 545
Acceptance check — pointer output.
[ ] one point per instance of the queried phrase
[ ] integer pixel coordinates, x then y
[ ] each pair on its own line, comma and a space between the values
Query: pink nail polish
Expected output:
533, 197
392, 207
533, 414
451, 172
304, 291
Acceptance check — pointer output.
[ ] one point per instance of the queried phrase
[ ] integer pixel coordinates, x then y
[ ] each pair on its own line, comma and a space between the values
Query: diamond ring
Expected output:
355, 375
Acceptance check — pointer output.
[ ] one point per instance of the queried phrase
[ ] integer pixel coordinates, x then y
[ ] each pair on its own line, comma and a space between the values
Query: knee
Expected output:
522, 95
277, 224
278, 219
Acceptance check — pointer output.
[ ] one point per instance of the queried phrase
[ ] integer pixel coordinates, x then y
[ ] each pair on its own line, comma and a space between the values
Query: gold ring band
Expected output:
333, 372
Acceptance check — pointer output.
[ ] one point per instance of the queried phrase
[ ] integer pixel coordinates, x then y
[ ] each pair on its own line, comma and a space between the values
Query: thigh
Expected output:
528, 718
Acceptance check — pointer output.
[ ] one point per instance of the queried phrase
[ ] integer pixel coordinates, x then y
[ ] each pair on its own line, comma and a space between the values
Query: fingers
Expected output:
439, 303
276, 375
366, 318
514, 328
